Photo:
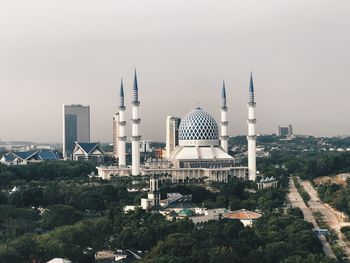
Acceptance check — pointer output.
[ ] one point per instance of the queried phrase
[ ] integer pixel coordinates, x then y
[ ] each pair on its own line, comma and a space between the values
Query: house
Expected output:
245, 216
88, 152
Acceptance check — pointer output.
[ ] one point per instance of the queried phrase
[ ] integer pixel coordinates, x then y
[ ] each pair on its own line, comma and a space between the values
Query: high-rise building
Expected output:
76, 127
172, 134
285, 131
115, 134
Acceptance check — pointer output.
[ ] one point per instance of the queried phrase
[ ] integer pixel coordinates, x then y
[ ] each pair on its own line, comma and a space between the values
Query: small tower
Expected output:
135, 138
121, 125
251, 133
224, 123
154, 194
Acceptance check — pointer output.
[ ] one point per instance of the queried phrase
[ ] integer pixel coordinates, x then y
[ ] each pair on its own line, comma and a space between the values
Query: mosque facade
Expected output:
198, 147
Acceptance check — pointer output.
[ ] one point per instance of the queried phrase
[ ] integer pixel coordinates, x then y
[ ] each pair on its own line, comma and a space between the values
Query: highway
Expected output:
296, 201
331, 216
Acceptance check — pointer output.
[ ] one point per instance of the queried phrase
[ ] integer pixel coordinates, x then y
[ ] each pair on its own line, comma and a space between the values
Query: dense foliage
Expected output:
274, 238
44, 171
233, 195
66, 214
336, 195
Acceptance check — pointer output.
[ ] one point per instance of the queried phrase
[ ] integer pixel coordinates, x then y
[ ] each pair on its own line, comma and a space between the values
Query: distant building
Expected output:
285, 131
88, 152
172, 134
115, 134
145, 146
153, 196
245, 216
25, 157
76, 127
267, 183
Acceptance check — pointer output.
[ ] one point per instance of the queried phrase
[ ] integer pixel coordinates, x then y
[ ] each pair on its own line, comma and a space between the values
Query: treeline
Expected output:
307, 165
336, 195
78, 242
62, 203
45, 171
232, 195
274, 238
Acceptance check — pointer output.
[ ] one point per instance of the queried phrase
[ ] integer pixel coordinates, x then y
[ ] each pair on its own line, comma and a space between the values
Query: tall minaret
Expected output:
224, 122
121, 125
135, 138
251, 133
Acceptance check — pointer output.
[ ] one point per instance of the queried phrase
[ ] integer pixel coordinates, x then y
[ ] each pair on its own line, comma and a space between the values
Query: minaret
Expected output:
251, 133
135, 138
121, 125
224, 122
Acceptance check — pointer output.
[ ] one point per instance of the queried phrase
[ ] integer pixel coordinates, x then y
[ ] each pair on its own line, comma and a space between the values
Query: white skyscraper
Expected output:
76, 127
121, 128
172, 134
224, 123
135, 138
251, 133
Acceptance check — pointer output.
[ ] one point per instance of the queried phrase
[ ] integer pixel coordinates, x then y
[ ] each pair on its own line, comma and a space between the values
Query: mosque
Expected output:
196, 148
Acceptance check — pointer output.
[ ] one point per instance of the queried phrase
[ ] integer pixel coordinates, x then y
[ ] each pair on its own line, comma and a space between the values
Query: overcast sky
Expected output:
76, 51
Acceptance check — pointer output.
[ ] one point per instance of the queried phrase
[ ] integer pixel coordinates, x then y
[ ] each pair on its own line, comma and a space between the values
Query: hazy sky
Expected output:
76, 51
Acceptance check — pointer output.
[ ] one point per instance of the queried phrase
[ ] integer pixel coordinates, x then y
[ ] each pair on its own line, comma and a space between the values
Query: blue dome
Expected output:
198, 125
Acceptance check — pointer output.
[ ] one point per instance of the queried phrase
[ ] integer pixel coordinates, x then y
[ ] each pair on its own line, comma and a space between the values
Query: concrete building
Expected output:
251, 133
76, 127
285, 131
172, 134
153, 196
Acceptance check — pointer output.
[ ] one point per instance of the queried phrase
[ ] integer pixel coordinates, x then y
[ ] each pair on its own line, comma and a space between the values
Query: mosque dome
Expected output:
198, 128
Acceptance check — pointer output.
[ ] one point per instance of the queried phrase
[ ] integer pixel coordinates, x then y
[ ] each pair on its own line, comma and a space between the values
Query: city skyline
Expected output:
300, 61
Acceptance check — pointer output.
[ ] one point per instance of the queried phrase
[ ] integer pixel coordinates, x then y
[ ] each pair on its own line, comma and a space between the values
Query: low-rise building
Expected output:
245, 216
267, 183
88, 152
25, 157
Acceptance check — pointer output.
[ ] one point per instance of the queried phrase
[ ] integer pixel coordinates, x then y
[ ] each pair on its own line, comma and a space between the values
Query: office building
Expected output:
76, 127
285, 131
172, 134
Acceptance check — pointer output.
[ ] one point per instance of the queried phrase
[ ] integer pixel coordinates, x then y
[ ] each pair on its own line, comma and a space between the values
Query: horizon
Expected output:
76, 53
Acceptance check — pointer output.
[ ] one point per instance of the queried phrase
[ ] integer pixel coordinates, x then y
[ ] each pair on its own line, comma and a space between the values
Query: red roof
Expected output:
243, 214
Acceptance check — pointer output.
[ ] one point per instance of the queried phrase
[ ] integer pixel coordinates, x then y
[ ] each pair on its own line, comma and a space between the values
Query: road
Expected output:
296, 201
333, 218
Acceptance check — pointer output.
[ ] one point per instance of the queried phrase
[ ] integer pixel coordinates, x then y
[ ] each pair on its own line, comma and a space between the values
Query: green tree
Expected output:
59, 215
